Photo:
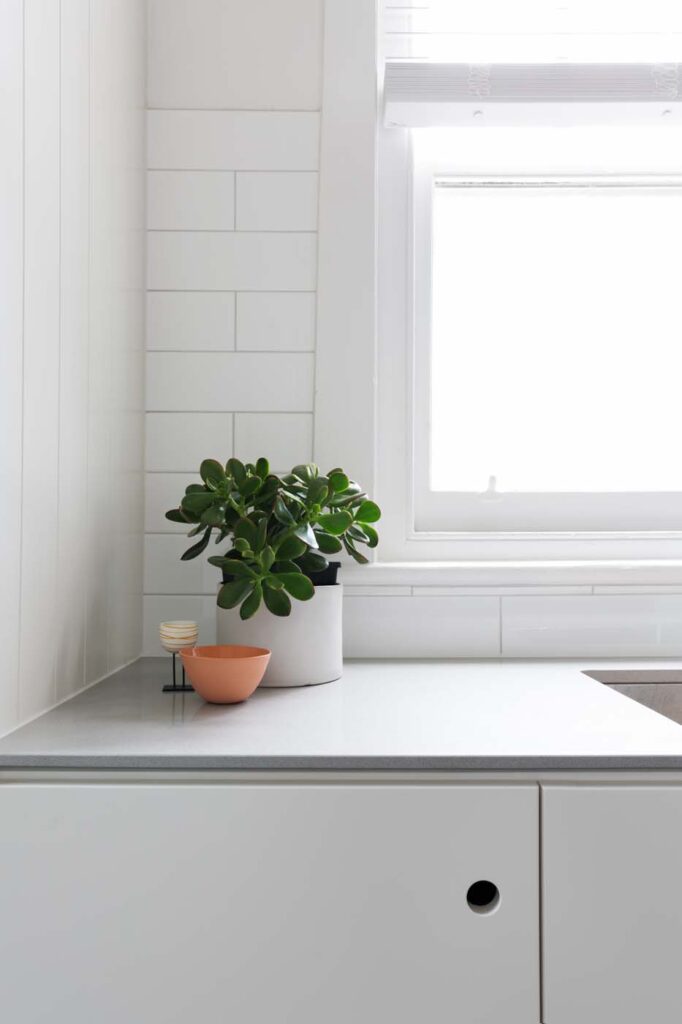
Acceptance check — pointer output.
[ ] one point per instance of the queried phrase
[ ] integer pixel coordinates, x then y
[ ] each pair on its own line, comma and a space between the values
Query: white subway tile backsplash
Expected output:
264, 54
592, 626
191, 321
663, 588
250, 261
276, 321
421, 627
164, 491
355, 591
229, 381
248, 140
276, 201
190, 200
232, 208
177, 442
160, 608
285, 439
500, 591
165, 573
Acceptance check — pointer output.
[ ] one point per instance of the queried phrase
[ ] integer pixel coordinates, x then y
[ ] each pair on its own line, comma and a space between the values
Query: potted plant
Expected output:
280, 531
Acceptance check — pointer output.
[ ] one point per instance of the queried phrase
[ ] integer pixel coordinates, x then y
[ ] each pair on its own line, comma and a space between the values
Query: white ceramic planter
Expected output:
306, 645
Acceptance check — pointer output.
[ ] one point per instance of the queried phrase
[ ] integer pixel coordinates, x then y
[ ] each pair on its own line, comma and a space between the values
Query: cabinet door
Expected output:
267, 904
612, 906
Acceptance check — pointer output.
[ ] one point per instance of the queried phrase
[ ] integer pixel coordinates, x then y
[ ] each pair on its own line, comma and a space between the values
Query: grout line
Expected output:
499, 624
232, 231
240, 412
240, 351
233, 291
233, 170
237, 110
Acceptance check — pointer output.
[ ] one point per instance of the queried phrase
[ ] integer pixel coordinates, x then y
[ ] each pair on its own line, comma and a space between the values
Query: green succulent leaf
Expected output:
236, 470
328, 545
248, 531
290, 547
277, 602
249, 486
305, 472
252, 603
353, 552
358, 533
196, 549
338, 481
282, 513
211, 471
312, 562
369, 512
197, 502
272, 582
318, 491
267, 558
176, 515
298, 585
231, 594
286, 566
335, 523
213, 516
233, 566
261, 534
195, 489
372, 535
305, 533
262, 468
241, 545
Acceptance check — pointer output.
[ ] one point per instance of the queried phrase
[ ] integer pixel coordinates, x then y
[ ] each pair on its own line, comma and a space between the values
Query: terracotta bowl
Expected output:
225, 673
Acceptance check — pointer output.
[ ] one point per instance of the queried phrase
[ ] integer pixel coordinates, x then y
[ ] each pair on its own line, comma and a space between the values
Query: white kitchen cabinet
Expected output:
257, 903
612, 904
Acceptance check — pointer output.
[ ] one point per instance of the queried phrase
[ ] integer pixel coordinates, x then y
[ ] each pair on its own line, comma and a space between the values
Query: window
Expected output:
530, 334
544, 356
548, 336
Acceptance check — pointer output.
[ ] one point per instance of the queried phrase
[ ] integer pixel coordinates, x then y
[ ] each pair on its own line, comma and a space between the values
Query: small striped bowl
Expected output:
178, 635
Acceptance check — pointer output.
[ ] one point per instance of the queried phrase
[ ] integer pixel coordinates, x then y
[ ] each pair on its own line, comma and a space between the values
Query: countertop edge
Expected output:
511, 763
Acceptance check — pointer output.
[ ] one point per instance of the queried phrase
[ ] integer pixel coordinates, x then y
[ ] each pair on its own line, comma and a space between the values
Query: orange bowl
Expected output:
225, 673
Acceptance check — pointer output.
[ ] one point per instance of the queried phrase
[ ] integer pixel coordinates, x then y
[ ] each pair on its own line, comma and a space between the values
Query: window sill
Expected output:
501, 577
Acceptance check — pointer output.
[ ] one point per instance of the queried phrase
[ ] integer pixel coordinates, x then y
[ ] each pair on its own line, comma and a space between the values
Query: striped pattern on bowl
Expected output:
176, 636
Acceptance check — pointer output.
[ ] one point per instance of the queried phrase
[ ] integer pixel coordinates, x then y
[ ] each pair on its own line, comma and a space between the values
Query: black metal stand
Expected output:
184, 686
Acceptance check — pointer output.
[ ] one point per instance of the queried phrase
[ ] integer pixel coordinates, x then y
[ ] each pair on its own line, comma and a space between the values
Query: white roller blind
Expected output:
529, 31
449, 61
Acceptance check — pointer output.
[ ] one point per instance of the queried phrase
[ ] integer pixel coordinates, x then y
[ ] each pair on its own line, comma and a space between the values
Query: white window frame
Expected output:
435, 511
364, 379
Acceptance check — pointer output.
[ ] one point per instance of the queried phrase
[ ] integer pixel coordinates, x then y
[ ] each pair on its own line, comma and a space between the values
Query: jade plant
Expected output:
280, 528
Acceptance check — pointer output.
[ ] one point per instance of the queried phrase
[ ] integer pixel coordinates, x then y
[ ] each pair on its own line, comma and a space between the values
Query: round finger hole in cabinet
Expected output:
483, 897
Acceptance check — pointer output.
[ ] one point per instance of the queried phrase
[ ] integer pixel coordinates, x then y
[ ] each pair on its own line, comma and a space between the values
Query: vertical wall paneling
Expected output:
11, 345
40, 474
72, 217
73, 369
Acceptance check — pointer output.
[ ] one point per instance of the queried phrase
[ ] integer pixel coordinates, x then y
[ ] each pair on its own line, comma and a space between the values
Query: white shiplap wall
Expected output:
233, 153
71, 370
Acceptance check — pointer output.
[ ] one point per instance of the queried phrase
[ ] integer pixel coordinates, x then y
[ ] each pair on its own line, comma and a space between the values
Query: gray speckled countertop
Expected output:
382, 715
